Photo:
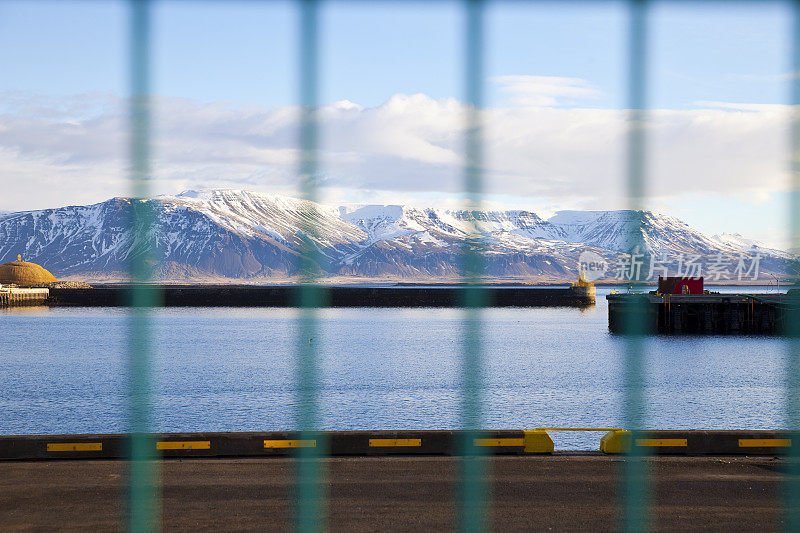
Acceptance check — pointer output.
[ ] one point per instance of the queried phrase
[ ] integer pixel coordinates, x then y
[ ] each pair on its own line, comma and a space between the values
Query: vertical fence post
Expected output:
792, 370
635, 487
473, 484
143, 470
309, 503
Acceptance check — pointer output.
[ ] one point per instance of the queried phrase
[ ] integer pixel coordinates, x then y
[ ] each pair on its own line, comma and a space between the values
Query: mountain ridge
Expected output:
241, 235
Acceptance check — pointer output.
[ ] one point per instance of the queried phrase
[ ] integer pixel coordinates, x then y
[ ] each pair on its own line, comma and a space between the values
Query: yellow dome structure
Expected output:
24, 274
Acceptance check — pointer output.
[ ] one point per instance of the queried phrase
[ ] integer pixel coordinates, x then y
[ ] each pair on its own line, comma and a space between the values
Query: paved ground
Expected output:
561, 492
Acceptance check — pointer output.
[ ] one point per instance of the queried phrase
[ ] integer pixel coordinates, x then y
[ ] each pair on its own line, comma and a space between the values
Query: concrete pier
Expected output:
746, 314
391, 493
333, 296
13, 296
396, 480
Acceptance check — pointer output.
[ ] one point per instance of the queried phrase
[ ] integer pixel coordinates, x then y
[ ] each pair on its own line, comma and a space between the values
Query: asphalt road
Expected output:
559, 493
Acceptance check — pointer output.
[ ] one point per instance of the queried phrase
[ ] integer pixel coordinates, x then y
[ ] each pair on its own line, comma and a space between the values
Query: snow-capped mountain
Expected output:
744, 244
222, 233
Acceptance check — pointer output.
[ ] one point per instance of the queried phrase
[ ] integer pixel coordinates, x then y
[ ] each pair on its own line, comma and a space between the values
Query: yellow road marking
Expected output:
499, 442
661, 442
290, 444
389, 443
74, 446
184, 445
765, 443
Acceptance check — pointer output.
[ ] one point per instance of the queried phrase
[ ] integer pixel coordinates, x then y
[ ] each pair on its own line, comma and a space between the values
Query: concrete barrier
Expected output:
700, 442
115, 446
364, 443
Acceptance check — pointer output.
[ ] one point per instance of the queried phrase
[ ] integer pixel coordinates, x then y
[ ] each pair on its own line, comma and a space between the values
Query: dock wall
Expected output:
337, 296
15, 296
724, 314
366, 443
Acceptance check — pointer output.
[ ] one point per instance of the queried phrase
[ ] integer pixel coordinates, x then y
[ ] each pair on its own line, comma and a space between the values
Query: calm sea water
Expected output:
224, 369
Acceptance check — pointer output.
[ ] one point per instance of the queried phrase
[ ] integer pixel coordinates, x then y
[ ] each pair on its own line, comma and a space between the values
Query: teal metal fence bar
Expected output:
635, 482
143, 498
310, 515
792, 370
473, 484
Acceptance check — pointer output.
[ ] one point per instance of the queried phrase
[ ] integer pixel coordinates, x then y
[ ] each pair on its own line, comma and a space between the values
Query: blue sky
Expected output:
567, 58
246, 52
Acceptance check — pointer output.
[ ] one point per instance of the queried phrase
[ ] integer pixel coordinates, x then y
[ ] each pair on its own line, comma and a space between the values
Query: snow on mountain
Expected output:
743, 244
227, 233
611, 230
272, 216
380, 221
388, 222
224, 233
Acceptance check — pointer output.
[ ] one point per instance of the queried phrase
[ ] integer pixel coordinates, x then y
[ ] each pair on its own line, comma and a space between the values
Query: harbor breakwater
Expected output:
331, 296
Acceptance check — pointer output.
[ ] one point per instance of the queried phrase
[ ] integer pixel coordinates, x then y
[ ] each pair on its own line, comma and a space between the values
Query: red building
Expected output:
675, 285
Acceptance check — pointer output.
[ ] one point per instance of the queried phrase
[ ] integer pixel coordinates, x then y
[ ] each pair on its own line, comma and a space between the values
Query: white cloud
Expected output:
544, 91
54, 154
734, 106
